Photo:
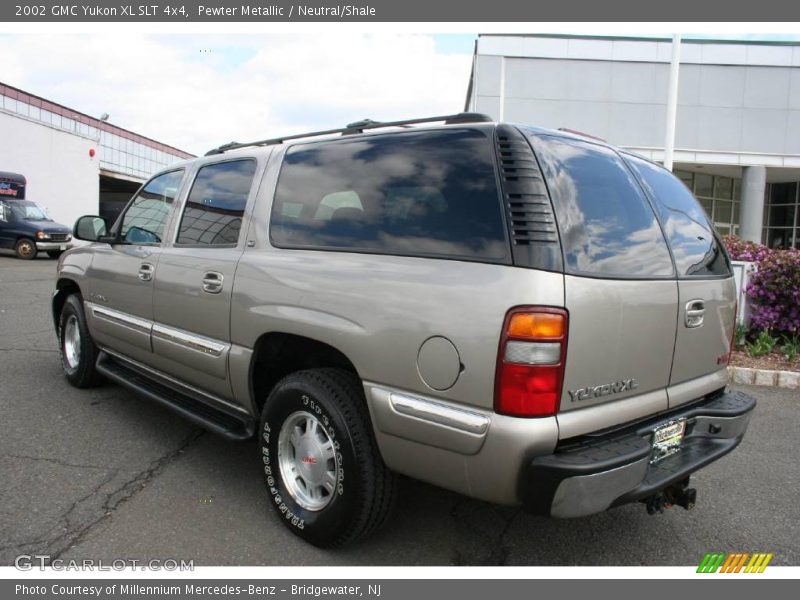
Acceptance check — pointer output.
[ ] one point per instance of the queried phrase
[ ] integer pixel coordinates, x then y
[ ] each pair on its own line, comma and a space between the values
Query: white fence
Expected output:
742, 271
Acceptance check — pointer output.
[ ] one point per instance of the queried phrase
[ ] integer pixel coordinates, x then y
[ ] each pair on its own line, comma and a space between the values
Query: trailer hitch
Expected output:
679, 494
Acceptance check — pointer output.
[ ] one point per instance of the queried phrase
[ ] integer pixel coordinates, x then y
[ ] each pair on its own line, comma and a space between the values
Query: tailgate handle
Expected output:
695, 312
212, 282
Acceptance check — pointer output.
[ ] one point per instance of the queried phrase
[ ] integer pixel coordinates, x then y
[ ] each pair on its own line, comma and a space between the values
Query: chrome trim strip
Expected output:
120, 318
177, 382
188, 340
434, 412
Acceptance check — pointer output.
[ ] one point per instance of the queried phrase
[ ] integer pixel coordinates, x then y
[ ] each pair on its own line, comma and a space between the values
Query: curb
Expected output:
782, 379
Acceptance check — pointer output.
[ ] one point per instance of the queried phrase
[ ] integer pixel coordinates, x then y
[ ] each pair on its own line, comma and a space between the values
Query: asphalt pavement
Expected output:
103, 474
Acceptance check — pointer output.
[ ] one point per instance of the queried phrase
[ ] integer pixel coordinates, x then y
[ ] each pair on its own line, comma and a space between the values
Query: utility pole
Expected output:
672, 101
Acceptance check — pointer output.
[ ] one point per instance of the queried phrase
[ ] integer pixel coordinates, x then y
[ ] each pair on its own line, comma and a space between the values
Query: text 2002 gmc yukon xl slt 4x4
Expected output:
520, 315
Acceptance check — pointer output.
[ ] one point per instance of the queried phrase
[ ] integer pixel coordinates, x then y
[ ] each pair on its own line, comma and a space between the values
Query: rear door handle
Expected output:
212, 282
695, 313
146, 272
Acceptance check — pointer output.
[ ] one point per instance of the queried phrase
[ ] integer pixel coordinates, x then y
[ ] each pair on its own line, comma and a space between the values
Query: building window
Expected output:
719, 196
781, 215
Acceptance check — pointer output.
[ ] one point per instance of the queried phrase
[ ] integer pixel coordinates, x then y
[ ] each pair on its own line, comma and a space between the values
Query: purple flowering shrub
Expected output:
774, 289
744, 250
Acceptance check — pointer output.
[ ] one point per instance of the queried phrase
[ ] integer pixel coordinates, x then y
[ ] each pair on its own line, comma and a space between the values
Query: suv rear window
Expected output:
695, 246
413, 194
607, 226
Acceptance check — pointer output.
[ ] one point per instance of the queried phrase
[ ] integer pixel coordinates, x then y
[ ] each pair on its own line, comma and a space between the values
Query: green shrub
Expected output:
763, 344
791, 347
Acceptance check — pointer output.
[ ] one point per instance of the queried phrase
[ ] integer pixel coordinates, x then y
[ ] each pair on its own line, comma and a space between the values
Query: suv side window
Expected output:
216, 203
4, 212
695, 246
146, 217
431, 193
607, 225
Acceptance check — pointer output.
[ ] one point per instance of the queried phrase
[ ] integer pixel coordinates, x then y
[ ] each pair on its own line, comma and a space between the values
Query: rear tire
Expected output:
26, 249
325, 477
78, 352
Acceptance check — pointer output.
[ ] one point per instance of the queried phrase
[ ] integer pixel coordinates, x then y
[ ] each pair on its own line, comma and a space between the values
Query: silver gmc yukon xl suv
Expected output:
525, 316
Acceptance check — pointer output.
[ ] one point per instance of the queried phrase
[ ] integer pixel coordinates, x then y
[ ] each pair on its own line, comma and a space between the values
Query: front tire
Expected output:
78, 352
26, 249
55, 253
325, 477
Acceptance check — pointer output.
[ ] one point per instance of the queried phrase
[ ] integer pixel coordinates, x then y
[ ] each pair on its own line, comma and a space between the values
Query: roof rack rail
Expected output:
582, 134
359, 127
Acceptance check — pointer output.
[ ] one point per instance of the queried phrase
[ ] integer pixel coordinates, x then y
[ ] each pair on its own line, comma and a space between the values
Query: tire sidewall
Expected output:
72, 306
324, 526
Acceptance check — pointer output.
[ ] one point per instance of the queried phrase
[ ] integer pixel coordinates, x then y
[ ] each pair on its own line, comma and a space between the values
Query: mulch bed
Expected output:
771, 362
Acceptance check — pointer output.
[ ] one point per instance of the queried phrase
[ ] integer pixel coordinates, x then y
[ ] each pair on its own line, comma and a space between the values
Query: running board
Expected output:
230, 424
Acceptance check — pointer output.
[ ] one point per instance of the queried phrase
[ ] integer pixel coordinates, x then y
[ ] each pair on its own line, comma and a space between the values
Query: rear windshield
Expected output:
607, 226
413, 194
694, 243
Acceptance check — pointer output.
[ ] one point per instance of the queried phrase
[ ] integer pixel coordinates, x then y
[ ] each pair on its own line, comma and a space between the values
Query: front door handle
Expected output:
146, 272
212, 282
695, 313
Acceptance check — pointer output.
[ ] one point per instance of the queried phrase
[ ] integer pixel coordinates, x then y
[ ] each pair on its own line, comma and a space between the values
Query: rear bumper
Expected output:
612, 469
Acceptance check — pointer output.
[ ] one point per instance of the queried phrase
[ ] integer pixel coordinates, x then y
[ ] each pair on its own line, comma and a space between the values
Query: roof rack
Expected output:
582, 134
359, 127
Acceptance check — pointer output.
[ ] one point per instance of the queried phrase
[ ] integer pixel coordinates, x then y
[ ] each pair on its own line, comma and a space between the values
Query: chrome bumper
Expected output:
45, 246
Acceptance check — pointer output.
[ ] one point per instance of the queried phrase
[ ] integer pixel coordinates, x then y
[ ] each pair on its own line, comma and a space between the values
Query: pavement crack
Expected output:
118, 497
71, 529
499, 550
55, 461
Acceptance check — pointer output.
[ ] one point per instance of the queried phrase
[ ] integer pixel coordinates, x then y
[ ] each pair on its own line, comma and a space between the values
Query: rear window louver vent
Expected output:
529, 213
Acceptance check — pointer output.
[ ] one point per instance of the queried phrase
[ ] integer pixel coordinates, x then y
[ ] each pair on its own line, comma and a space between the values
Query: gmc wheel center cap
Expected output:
310, 463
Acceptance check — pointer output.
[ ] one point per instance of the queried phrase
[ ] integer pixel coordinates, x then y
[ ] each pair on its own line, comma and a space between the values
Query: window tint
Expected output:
420, 193
695, 246
607, 226
214, 208
146, 217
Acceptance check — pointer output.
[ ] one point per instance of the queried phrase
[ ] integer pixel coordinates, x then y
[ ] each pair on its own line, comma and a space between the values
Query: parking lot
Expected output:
103, 474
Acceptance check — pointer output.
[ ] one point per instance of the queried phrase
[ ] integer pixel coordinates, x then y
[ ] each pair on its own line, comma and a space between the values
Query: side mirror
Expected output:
90, 228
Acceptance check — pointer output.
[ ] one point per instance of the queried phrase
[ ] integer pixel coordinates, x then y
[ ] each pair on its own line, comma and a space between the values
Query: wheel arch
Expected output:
277, 354
64, 288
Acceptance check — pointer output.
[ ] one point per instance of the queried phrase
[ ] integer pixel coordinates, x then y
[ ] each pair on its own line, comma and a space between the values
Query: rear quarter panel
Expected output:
378, 310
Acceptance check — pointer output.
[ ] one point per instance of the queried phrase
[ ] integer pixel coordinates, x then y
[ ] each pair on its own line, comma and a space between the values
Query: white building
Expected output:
737, 137
74, 164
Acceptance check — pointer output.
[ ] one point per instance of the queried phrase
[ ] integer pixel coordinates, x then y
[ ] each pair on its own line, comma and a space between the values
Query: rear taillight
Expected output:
530, 361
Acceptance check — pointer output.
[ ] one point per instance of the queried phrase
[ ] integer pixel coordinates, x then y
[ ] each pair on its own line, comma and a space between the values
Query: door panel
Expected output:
192, 296
701, 349
618, 331
192, 331
122, 298
122, 274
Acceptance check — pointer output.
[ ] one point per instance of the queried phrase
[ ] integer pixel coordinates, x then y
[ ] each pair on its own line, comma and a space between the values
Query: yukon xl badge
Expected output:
607, 389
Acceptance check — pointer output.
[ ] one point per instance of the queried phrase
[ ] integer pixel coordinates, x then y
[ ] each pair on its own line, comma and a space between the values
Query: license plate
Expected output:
667, 439
63, 247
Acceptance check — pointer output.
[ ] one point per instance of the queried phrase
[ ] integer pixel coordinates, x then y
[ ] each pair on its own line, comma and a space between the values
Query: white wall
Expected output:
61, 175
